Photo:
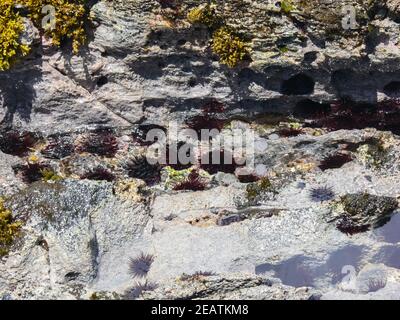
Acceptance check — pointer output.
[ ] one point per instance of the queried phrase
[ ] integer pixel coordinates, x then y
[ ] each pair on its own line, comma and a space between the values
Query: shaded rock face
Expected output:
315, 218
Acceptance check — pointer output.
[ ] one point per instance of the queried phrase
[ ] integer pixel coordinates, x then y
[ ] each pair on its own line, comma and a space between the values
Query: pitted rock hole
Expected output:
299, 84
310, 109
392, 89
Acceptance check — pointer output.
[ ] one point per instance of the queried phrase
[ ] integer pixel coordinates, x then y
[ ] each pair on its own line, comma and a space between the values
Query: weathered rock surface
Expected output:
145, 64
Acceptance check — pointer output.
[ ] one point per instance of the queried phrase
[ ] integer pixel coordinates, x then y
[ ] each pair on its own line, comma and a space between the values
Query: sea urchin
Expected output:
321, 194
140, 265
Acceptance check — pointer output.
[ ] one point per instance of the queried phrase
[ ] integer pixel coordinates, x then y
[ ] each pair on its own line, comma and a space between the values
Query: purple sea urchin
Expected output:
140, 265
102, 143
17, 143
140, 168
213, 107
321, 194
31, 172
193, 183
224, 162
58, 148
100, 174
348, 115
204, 122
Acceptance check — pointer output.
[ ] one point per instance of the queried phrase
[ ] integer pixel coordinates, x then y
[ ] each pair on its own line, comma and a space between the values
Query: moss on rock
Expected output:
9, 229
11, 28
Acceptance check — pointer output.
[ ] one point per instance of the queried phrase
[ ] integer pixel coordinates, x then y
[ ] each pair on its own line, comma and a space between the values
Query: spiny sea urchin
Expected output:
222, 162
321, 194
140, 266
205, 122
31, 172
213, 107
193, 182
140, 168
99, 174
58, 148
101, 142
17, 143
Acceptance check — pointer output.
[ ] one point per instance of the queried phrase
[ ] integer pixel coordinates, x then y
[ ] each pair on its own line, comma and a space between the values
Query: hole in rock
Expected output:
298, 85
102, 142
309, 109
392, 89
102, 81
335, 161
181, 42
289, 132
192, 83
140, 168
70, 276
167, 3
310, 57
